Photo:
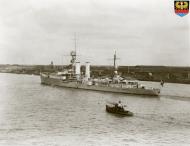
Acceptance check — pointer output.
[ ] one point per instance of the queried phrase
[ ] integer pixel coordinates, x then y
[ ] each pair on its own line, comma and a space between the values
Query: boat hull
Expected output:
47, 80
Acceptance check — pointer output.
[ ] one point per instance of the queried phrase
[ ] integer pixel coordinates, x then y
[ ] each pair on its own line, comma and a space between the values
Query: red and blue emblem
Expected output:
181, 8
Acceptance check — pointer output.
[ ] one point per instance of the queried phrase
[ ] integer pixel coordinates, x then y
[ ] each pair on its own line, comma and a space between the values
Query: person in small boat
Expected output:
119, 106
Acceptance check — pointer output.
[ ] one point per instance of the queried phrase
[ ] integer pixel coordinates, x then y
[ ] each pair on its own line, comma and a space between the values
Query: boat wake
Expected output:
167, 119
176, 97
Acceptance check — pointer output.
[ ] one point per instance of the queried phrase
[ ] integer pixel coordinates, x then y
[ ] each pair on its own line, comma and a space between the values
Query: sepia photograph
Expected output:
94, 73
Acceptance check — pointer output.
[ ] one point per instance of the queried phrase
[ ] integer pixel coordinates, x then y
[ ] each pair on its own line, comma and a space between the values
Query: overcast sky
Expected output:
143, 32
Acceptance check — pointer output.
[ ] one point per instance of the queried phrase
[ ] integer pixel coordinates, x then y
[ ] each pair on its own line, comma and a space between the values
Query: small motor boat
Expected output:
118, 110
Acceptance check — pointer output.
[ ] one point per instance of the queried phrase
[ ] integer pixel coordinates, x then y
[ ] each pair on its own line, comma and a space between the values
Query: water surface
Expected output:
32, 114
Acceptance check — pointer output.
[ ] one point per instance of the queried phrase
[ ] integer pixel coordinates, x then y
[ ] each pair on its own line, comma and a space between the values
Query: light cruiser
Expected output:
72, 78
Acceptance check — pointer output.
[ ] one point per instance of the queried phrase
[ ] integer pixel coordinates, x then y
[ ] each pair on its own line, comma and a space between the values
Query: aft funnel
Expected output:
87, 75
77, 69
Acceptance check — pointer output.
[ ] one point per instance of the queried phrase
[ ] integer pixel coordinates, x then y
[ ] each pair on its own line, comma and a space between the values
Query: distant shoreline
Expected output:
144, 73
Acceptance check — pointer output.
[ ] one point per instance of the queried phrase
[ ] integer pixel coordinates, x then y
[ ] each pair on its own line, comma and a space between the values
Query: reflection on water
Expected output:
36, 115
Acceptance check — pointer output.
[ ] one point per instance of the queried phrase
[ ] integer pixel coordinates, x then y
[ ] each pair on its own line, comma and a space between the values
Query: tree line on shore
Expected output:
141, 72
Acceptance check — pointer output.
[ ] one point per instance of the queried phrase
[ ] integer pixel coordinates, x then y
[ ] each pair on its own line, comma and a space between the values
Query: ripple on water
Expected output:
32, 114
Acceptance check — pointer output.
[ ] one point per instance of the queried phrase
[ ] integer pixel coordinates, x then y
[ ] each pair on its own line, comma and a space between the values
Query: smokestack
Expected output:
77, 69
87, 70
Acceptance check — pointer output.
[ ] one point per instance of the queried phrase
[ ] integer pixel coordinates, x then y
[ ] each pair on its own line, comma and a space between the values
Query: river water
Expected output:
32, 114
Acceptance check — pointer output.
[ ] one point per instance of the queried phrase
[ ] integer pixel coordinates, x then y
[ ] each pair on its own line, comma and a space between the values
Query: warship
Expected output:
74, 78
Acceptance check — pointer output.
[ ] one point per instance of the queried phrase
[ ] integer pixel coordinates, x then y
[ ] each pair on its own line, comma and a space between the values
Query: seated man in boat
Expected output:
119, 106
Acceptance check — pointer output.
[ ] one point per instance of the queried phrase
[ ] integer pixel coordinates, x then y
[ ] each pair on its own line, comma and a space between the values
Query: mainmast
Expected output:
114, 63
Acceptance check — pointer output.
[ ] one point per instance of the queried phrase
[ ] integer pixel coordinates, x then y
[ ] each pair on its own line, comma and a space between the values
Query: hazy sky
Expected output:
144, 32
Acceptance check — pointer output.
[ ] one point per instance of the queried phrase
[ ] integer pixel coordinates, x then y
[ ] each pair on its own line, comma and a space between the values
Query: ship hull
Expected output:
74, 84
